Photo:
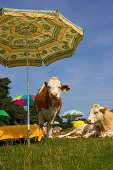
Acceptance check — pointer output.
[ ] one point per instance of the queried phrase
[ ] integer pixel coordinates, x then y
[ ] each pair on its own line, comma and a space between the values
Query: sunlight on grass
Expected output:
59, 154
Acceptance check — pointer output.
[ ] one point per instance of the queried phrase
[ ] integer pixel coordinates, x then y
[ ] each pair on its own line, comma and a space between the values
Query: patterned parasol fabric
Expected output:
72, 114
22, 100
47, 35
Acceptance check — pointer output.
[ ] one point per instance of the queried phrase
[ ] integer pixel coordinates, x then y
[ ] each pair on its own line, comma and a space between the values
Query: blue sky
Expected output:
89, 72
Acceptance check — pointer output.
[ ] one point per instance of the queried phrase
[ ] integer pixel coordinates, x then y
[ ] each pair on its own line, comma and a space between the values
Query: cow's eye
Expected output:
49, 87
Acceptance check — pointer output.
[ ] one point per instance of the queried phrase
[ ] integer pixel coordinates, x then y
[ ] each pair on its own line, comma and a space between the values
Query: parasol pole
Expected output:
28, 118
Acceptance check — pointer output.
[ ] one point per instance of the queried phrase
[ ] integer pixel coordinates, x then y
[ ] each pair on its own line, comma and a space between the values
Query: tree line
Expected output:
16, 112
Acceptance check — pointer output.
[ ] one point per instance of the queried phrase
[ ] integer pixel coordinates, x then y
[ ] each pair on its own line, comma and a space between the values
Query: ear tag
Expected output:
64, 90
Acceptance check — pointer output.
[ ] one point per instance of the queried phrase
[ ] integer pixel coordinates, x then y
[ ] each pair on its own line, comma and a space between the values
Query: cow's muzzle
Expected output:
88, 121
54, 95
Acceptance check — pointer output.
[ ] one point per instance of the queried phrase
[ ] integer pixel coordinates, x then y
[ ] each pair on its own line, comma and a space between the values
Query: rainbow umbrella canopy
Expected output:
30, 37
57, 128
72, 114
23, 100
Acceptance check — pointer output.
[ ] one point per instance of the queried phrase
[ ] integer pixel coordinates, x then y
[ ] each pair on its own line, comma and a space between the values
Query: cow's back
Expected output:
108, 121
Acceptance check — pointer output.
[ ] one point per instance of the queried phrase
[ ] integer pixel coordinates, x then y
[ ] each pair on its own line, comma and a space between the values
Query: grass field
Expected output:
59, 154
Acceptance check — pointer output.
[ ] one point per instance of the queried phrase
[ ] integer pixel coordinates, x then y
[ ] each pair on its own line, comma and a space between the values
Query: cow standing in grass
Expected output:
101, 118
47, 103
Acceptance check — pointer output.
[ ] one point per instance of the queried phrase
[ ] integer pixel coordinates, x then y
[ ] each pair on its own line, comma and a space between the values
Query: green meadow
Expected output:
59, 154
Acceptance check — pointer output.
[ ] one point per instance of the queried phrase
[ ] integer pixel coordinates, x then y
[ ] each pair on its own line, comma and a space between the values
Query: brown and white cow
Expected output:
47, 103
102, 118
84, 131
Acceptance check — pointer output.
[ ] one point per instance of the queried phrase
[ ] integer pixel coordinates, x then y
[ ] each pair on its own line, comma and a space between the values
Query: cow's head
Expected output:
96, 114
54, 87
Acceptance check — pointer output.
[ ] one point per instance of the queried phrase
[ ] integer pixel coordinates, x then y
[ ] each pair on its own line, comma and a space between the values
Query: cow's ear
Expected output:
46, 83
104, 109
65, 88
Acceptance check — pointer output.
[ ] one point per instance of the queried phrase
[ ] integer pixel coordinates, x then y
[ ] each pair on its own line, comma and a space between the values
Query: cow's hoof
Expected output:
49, 137
84, 136
59, 136
43, 136
68, 137
102, 136
79, 136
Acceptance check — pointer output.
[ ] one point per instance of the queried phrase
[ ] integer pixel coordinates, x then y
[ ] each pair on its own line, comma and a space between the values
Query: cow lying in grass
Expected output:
99, 124
84, 131
47, 103
102, 118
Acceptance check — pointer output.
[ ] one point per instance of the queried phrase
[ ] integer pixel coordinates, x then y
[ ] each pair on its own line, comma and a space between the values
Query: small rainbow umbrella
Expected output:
22, 100
57, 128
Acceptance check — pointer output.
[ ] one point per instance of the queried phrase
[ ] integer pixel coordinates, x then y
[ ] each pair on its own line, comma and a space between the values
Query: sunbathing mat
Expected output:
19, 131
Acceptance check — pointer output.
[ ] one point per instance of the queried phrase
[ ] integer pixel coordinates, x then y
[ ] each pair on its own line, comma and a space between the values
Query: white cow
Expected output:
102, 118
85, 131
47, 103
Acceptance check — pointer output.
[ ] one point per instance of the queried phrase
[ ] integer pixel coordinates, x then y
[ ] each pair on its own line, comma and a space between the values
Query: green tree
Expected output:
4, 88
33, 116
15, 111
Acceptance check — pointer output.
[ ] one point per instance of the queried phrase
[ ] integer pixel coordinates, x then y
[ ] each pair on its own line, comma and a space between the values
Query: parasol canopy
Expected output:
4, 116
47, 35
23, 100
72, 114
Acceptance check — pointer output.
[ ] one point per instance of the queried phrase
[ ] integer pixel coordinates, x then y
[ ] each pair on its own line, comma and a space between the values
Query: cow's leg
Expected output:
72, 137
110, 134
41, 121
54, 114
77, 132
49, 130
51, 123
106, 134
89, 134
68, 134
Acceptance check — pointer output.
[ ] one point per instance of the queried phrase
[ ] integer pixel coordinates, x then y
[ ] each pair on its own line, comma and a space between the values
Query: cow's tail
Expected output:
35, 105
